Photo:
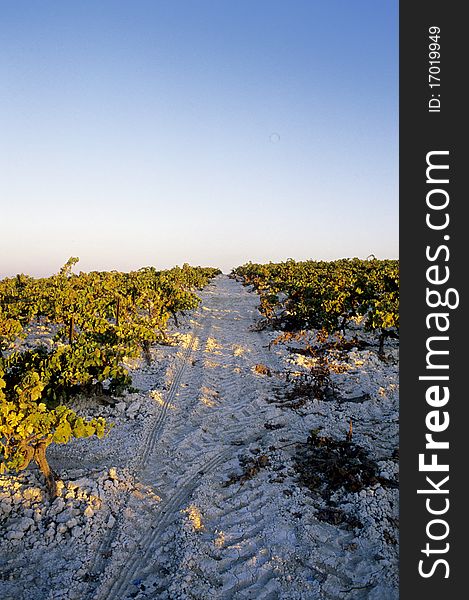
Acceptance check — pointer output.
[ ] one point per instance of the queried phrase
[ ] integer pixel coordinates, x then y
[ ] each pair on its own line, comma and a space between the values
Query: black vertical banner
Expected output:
434, 239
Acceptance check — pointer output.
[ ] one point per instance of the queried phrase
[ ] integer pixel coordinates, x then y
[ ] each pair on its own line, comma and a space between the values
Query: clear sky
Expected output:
157, 132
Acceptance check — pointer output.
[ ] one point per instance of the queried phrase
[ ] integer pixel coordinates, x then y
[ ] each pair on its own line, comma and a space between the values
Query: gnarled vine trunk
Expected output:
41, 461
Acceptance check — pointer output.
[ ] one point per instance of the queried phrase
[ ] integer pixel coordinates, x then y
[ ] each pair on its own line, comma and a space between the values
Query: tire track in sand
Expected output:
103, 552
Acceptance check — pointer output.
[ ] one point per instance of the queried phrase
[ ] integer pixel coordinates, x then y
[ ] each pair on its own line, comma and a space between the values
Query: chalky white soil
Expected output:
159, 509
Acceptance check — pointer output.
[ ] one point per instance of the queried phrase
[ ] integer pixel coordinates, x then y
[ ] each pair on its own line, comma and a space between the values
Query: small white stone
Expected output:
71, 523
5, 508
57, 506
14, 535
120, 407
21, 524
111, 522
133, 409
62, 528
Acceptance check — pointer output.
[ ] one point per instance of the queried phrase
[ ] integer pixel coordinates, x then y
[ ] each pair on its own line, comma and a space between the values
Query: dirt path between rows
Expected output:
212, 408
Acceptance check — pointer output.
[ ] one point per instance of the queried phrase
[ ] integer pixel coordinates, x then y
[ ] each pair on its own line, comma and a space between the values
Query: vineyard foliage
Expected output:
328, 295
99, 319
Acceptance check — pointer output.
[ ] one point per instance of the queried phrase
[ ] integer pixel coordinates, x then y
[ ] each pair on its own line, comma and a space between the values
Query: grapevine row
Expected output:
99, 318
328, 295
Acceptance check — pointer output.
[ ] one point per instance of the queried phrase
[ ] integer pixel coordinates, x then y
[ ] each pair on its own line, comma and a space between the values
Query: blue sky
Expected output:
211, 132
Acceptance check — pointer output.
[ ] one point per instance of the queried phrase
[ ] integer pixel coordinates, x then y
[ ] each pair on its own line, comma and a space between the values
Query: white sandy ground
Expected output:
144, 513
